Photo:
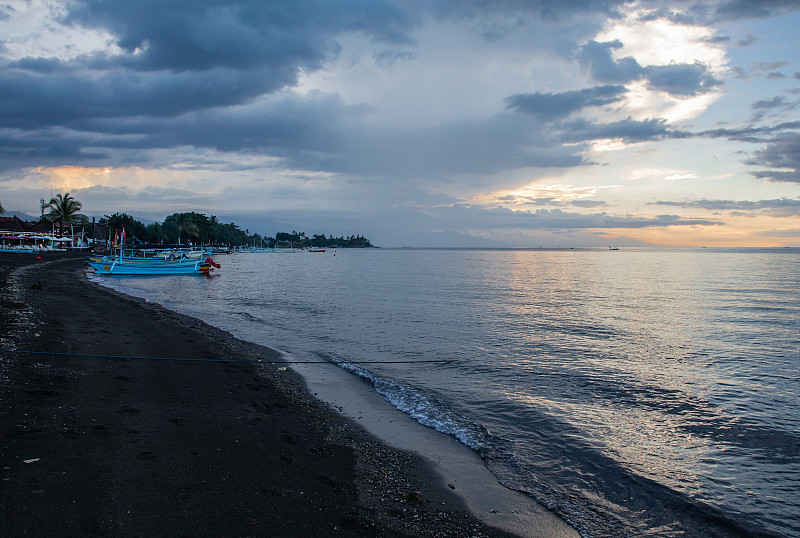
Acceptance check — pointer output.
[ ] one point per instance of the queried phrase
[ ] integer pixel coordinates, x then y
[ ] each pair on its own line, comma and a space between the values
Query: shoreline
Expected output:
135, 446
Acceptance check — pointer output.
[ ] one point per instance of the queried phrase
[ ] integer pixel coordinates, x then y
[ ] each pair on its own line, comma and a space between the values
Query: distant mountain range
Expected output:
19, 215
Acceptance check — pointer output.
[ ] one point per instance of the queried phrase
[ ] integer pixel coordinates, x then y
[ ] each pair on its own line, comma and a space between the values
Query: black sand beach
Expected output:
95, 444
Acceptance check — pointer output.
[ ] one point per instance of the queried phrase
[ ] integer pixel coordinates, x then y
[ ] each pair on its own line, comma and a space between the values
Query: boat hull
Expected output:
125, 269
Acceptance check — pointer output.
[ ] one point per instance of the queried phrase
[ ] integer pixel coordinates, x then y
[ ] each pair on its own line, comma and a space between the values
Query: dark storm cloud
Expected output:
215, 74
189, 55
201, 35
33, 100
195, 56
208, 73
182, 58
543, 9
556, 105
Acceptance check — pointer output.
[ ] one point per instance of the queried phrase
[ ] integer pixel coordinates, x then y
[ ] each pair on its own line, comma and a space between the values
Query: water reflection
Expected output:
620, 387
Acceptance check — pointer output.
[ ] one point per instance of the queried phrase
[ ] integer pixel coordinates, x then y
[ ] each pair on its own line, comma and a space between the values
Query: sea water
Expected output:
635, 392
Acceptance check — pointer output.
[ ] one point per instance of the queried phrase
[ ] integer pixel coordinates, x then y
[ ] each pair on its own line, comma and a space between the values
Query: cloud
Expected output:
676, 79
726, 10
778, 207
205, 35
627, 130
774, 102
376, 102
747, 41
588, 203
556, 105
794, 233
189, 57
466, 218
780, 147
218, 75
681, 79
783, 153
686, 175
758, 69
598, 58
538, 194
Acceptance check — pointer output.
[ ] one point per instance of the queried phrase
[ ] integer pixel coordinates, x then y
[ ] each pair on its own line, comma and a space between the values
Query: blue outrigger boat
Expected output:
121, 267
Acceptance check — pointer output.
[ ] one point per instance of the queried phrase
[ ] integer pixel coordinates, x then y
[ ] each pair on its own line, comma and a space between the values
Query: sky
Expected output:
414, 123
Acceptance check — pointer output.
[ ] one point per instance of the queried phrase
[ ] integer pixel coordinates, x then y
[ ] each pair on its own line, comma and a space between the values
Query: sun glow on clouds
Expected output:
611, 144
541, 195
68, 178
676, 177
661, 42
667, 174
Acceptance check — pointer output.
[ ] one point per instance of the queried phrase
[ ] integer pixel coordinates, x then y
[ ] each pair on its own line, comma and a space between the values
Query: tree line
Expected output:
185, 228
196, 228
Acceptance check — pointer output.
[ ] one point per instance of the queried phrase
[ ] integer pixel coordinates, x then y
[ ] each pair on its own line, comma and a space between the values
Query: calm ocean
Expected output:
635, 392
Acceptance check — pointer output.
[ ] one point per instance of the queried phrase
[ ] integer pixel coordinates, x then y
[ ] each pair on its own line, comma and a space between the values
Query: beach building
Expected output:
21, 235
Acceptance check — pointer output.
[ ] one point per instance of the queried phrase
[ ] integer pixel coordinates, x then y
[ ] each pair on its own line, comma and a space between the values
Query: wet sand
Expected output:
119, 417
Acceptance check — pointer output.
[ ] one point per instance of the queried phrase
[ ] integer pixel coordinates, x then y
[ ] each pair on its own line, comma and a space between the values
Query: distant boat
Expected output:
613, 248
316, 250
115, 267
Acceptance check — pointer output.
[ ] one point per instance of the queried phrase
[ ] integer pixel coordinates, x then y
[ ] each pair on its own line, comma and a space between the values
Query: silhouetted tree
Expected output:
64, 209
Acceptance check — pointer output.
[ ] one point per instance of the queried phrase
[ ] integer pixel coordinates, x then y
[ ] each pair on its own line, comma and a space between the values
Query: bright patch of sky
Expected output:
663, 42
32, 28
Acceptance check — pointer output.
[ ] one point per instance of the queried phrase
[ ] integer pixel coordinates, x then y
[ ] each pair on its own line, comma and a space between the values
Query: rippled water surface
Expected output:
650, 392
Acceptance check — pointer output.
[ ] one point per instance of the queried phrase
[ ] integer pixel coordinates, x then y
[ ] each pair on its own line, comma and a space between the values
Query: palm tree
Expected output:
64, 209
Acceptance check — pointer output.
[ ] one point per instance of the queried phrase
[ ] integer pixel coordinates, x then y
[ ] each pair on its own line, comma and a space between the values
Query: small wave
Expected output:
250, 316
427, 410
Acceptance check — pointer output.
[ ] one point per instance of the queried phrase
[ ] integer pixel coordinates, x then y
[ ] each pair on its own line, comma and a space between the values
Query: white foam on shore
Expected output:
456, 464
